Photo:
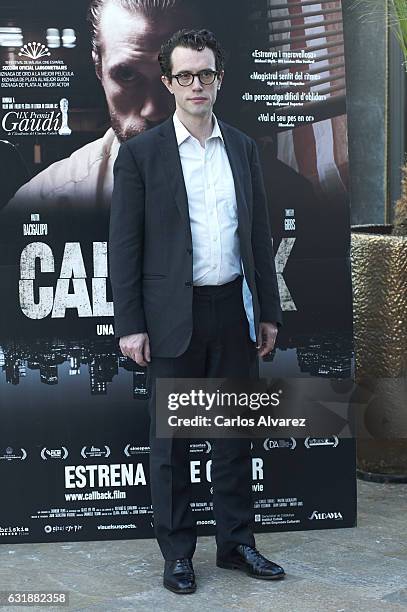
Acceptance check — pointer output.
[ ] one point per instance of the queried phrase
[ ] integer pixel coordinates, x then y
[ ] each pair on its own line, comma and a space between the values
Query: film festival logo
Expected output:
131, 449
34, 50
272, 443
36, 122
54, 453
95, 451
10, 454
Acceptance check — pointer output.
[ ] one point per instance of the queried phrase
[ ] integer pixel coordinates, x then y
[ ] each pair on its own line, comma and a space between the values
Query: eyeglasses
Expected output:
206, 77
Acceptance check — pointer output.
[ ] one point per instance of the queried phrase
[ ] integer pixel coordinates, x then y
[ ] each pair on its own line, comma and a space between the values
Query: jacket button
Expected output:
188, 283
189, 251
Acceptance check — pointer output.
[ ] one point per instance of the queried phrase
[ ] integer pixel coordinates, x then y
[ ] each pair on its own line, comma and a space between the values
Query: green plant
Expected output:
398, 22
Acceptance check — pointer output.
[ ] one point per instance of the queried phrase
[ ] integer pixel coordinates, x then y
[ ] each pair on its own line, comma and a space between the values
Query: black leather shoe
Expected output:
179, 576
249, 560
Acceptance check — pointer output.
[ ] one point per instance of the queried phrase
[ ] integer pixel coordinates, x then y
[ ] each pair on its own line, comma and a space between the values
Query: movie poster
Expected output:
77, 79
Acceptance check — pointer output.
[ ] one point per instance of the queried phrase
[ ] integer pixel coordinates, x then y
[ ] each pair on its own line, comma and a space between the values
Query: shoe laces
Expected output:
185, 565
252, 549
255, 554
258, 553
258, 558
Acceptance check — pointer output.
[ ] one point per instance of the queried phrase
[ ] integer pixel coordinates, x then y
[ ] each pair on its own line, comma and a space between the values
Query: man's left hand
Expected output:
267, 336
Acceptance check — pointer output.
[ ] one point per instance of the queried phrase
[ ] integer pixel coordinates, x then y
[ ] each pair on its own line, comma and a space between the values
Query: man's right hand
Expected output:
137, 347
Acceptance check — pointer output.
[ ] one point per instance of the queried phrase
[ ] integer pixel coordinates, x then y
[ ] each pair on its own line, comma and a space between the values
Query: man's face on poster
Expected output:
129, 70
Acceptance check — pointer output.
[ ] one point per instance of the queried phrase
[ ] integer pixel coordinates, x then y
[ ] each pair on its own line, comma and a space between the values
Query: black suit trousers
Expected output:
220, 347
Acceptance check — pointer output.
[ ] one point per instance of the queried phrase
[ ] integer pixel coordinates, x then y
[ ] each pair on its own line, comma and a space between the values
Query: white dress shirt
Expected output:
212, 206
212, 211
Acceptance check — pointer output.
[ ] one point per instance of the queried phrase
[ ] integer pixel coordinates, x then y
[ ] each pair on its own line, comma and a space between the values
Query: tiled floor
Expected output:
363, 569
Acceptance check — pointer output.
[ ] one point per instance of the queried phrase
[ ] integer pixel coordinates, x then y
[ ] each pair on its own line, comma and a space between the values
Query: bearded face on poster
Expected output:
126, 38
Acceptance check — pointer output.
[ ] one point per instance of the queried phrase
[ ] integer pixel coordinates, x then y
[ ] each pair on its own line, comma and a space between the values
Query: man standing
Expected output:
188, 227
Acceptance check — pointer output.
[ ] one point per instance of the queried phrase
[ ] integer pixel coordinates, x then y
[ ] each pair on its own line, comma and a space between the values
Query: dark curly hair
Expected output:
191, 39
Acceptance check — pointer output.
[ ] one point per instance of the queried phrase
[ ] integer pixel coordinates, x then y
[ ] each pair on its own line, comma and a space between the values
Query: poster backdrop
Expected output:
73, 414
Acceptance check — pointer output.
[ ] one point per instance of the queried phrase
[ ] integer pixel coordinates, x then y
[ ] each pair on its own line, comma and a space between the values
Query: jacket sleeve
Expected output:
262, 245
126, 239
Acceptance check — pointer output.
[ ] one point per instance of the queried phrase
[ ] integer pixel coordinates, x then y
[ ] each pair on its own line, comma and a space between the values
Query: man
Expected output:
126, 39
188, 220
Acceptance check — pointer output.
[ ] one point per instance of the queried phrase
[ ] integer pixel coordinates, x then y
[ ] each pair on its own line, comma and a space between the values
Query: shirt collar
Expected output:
182, 133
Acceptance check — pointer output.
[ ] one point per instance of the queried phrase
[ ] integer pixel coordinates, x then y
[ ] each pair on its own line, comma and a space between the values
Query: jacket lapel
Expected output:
172, 165
233, 149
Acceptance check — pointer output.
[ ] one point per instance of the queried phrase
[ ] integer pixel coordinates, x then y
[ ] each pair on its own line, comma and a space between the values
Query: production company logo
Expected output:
117, 526
270, 443
89, 452
54, 453
60, 528
131, 449
9, 454
15, 530
206, 522
331, 441
323, 516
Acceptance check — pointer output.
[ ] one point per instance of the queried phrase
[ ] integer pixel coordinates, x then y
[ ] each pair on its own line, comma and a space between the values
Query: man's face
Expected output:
129, 70
195, 99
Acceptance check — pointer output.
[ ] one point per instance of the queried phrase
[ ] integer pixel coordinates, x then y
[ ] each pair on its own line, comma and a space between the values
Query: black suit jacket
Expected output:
150, 243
